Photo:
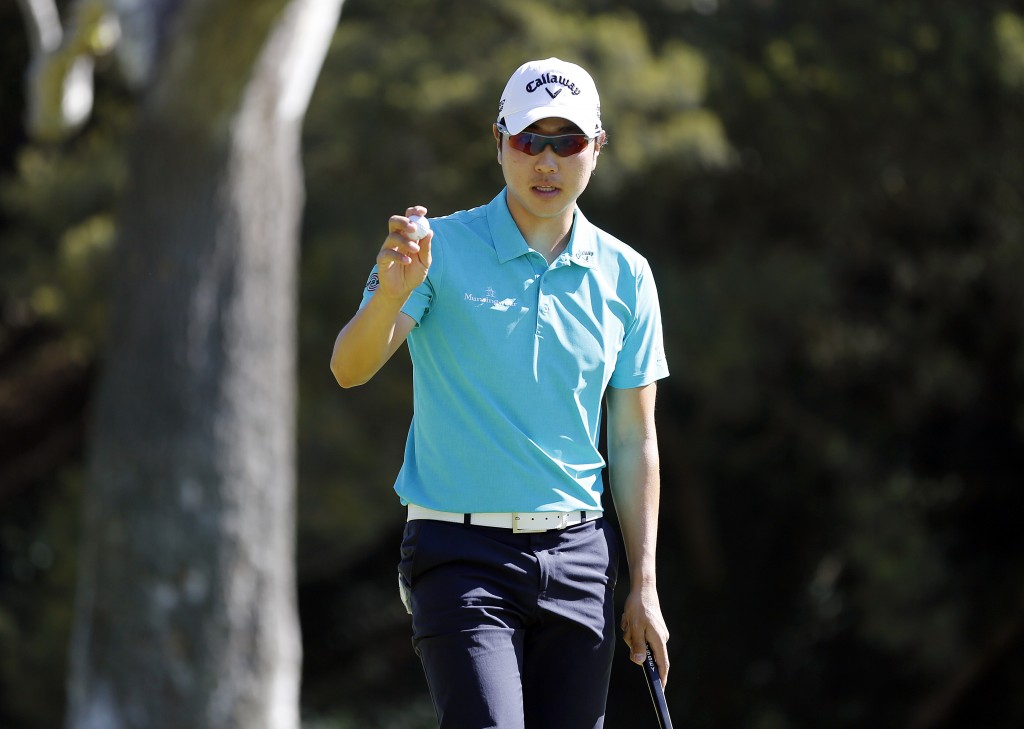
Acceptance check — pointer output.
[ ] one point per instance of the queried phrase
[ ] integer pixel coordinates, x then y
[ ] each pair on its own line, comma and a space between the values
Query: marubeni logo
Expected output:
490, 296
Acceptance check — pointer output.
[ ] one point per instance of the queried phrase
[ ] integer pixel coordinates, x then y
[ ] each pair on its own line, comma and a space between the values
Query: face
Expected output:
545, 186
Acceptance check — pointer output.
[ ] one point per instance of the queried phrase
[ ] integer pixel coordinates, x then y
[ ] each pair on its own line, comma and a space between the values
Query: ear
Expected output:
497, 138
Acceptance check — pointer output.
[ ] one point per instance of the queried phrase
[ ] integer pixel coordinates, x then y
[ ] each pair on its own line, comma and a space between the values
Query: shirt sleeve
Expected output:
419, 300
642, 359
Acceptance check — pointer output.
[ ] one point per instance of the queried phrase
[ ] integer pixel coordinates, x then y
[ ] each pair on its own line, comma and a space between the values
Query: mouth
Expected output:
545, 189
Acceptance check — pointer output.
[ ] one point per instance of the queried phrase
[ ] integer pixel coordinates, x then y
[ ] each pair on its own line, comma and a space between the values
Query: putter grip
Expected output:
657, 691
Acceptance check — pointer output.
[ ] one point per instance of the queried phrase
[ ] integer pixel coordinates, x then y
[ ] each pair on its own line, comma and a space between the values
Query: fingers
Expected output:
641, 629
403, 262
634, 637
638, 644
400, 247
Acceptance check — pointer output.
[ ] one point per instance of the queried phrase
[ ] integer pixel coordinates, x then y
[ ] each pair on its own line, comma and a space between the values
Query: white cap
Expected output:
550, 88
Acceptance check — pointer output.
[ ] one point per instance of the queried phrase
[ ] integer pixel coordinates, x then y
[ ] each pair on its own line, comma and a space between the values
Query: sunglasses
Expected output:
565, 145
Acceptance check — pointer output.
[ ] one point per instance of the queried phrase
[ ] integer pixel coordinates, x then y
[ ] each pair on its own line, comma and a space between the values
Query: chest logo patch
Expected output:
490, 299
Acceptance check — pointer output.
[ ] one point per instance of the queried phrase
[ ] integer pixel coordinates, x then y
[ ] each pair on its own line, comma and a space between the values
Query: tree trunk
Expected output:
185, 613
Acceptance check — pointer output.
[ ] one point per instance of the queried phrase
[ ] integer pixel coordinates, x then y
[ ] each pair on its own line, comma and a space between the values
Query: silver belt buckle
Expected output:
532, 523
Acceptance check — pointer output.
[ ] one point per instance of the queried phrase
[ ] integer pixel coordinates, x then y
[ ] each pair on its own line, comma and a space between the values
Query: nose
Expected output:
546, 161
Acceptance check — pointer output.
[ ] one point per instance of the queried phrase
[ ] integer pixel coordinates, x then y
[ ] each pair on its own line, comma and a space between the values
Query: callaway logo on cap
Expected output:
550, 88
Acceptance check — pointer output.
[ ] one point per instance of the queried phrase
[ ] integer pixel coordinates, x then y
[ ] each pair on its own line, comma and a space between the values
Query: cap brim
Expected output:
582, 118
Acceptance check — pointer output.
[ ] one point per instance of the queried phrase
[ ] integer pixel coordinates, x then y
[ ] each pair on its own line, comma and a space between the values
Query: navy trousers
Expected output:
514, 631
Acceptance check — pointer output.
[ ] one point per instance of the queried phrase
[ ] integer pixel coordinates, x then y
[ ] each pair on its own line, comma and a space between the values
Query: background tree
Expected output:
185, 605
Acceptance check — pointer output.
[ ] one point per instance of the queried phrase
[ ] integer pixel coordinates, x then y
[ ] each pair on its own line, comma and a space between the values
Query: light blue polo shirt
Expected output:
511, 358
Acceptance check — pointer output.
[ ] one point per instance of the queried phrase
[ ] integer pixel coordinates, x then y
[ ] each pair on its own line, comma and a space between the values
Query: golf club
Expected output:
657, 691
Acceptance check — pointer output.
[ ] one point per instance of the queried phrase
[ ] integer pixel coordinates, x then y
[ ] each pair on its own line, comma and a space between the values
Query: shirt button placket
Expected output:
542, 306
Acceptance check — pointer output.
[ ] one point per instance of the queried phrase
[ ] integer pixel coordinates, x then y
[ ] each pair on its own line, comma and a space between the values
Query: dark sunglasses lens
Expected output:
533, 144
569, 145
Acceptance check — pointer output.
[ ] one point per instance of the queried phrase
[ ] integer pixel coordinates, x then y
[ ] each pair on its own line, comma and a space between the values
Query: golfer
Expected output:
522, 319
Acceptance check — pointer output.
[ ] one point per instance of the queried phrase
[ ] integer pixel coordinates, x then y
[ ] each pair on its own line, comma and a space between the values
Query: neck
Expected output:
547, 236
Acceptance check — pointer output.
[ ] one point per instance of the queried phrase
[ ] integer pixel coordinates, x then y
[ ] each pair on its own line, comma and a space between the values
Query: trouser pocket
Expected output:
405, 564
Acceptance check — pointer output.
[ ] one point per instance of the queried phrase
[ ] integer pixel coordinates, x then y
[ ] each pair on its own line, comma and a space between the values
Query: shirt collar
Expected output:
582, 248
505, 236
509, 242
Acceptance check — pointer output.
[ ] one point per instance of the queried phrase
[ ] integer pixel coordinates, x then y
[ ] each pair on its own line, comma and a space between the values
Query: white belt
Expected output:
517, 521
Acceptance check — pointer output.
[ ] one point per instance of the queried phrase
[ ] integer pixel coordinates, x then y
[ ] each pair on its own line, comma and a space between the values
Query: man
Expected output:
521, 318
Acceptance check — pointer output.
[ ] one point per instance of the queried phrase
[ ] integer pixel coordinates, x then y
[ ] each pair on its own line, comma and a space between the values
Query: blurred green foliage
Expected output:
832, 199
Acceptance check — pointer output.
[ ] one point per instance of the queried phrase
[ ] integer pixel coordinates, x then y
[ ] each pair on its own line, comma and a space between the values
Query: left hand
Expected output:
642, 624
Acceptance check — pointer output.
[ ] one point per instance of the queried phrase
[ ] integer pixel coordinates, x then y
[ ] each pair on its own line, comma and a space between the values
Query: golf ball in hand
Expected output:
422, 226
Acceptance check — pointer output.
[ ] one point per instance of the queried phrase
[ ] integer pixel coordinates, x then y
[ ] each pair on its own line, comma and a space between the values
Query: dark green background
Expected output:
831, 195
